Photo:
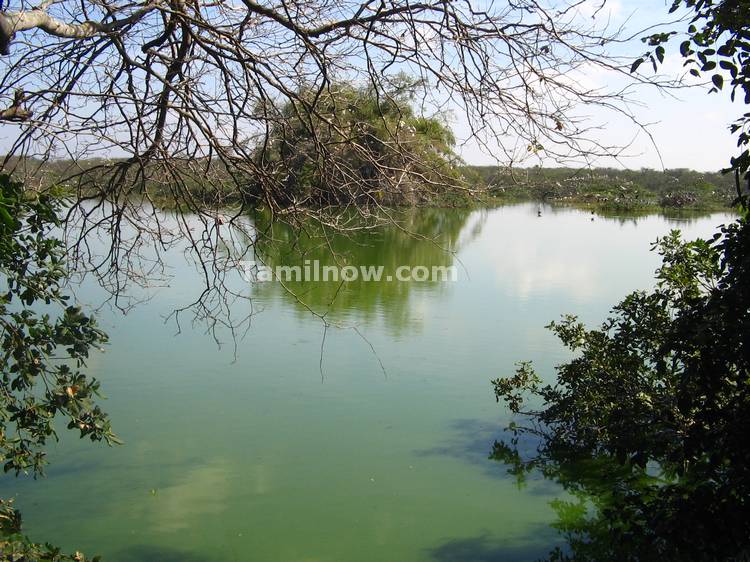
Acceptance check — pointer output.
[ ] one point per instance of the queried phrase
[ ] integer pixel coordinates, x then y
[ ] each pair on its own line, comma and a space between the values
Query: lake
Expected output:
366, 441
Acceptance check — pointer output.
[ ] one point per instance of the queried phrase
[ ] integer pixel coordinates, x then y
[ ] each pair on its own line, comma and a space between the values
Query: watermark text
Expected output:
313, 271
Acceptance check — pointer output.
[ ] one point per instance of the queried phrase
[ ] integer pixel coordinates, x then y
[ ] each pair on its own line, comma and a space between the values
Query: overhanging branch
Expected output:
37, 18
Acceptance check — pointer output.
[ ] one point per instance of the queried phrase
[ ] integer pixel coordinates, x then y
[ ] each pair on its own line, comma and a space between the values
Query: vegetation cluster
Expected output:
387, 153
45, 340
611, 189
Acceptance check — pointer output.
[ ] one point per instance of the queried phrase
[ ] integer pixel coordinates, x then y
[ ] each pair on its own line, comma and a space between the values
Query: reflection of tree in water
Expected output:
599, 491
678, 218
418, 237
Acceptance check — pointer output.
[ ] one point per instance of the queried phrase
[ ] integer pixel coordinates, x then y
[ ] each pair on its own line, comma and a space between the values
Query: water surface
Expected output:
307, 449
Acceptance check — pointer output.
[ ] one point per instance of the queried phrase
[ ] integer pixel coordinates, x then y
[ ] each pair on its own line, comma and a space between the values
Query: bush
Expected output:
647, 424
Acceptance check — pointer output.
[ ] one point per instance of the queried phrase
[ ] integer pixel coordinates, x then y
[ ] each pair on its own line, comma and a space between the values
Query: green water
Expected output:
279, 456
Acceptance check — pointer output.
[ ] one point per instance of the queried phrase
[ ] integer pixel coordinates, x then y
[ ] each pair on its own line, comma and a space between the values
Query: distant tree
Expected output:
388, 154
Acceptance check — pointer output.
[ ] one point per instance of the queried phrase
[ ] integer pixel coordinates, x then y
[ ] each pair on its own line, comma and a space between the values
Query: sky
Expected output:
688, 128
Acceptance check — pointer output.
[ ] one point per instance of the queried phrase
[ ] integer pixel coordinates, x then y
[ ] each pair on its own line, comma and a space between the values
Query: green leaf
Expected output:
726, 65
6, 219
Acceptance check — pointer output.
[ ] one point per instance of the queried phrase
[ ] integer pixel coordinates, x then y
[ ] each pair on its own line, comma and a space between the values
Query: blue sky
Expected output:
689, 126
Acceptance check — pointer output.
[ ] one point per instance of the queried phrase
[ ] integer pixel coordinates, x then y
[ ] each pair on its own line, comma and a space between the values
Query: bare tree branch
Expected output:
135, 106
14, 22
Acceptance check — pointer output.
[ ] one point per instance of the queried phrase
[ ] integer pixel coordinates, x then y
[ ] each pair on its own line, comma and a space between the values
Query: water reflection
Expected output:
467, 440
200, 492
563, 254
418, 237
150, 553
488, 548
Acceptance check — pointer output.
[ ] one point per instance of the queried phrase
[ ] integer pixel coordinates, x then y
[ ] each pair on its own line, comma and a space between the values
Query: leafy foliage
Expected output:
646, 425
717, 45
386, 153
44, 343
47, 347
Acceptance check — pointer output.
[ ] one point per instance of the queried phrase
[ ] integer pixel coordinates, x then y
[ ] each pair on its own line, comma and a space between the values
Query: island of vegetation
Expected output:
609, 189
